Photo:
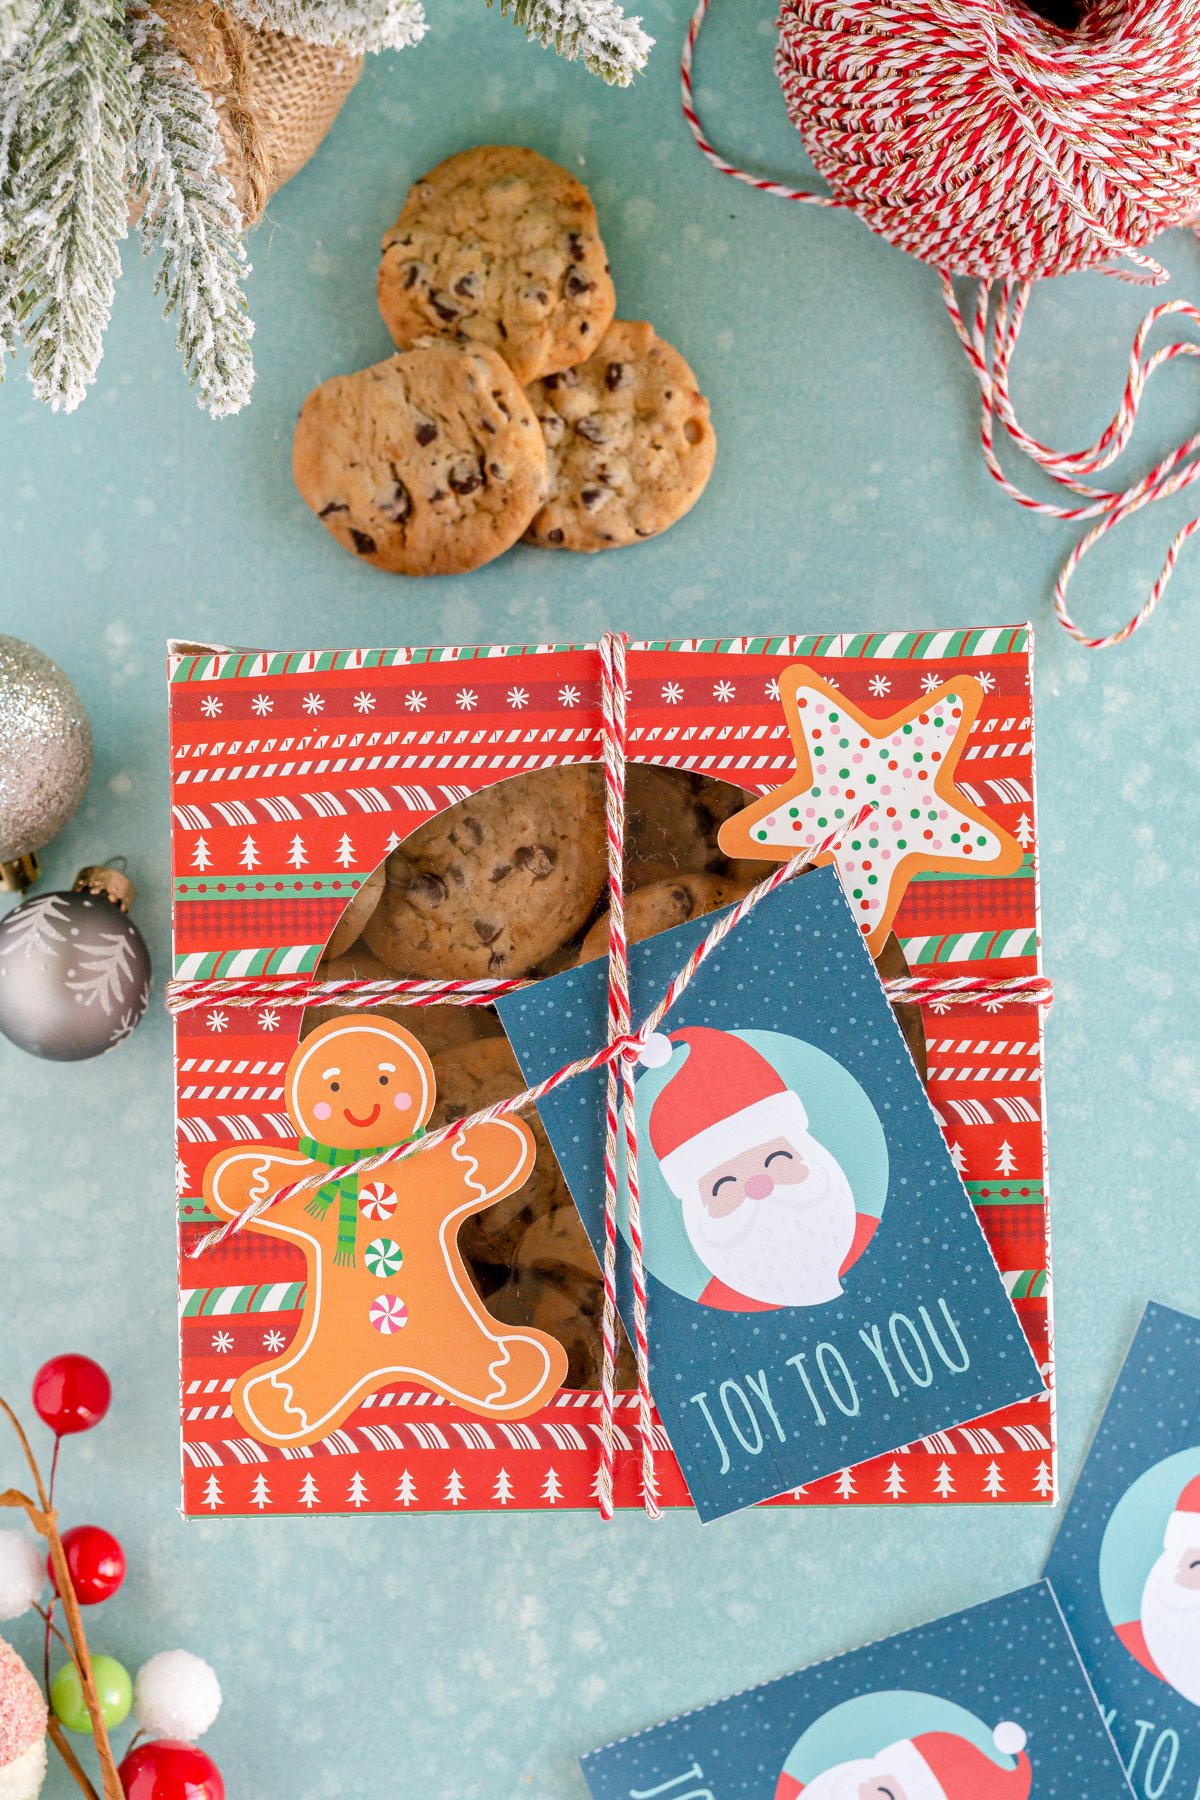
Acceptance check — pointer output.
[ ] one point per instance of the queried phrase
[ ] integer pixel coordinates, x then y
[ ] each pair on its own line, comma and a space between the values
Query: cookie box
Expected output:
435, 814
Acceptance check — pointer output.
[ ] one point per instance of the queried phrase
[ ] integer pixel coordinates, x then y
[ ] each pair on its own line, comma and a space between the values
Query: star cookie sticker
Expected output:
904, 765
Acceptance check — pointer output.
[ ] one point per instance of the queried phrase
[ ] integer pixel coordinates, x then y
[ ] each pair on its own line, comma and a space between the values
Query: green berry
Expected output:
113, 1687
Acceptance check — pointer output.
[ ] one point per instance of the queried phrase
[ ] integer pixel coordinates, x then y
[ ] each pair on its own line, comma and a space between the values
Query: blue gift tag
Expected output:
820, 1290
1126, 1562
990, 1704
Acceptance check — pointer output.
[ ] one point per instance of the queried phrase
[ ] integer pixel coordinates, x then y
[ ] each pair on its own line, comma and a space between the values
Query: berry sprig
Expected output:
176, 1696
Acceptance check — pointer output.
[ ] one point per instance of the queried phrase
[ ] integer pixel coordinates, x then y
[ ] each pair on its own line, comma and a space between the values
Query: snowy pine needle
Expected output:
610, 45
355, 25
12, 87
190, 220
15, 19
69, 197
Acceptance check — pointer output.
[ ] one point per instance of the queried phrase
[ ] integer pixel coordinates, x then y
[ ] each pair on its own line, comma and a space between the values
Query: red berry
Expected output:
96, 1563
170, 1770
71, 1393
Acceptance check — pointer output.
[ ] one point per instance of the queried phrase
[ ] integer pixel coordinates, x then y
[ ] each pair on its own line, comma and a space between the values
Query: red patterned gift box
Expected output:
294, 773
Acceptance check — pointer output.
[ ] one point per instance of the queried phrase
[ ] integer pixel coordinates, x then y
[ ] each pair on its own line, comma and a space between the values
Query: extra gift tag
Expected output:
991, 1704
820, 1290
1126, 1563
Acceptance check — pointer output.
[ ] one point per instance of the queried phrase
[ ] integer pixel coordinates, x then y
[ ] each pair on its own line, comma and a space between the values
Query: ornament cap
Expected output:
107, 884
19, 872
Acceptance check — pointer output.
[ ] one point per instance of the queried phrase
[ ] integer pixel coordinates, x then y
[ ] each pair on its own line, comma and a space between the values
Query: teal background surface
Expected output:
475, 1657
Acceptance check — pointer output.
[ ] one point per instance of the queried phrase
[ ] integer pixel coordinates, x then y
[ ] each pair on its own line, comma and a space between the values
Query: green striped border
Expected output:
275, 959
970, 946
911, 646
1006, 1192
1025, 869
193, 1211
1027, 1284
288, 884
235, 1302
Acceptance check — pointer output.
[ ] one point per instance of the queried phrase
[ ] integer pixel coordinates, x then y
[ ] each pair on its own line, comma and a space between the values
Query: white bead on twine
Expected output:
990, 143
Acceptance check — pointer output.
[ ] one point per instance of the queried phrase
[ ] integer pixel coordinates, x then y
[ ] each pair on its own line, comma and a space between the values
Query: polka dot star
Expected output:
903, 765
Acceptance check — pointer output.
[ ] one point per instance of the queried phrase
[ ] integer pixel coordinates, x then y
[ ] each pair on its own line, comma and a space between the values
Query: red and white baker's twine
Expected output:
619, 1057
988, 143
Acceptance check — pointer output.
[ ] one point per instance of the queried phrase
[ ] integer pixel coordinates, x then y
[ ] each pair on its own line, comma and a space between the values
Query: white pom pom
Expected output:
22, 1574
655, 1052
176, 1695
1008, 1738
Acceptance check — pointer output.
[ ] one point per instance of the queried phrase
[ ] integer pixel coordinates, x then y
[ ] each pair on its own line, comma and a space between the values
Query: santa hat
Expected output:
1183, 1526
941, 1765
724, 1097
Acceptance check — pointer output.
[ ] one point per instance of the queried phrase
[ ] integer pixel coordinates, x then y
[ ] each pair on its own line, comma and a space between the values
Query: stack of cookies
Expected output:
513, 882
517, 406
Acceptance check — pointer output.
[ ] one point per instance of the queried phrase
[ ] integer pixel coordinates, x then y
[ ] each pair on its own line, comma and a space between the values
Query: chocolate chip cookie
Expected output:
630, 440
649, 910
349, 927
497, 883
497, 246
672, 820
431, 463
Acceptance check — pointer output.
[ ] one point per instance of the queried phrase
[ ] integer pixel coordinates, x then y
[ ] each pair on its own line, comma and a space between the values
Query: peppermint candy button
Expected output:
382, 1256
376, 1201
388, 1314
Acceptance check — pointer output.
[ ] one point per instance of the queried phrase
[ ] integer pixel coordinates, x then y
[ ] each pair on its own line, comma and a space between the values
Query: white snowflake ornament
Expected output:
176, 1695
22, 1574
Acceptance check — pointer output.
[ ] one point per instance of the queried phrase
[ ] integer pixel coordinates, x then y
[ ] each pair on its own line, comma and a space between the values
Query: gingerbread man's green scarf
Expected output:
344, 1190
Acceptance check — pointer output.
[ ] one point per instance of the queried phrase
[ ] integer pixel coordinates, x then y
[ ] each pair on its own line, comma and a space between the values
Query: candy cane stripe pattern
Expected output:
383, 1256
388, 1314
375, 1201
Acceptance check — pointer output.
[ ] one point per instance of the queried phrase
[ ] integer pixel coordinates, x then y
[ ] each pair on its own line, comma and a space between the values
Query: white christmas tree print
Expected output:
993, 1481
213, 1497
958, 1157
893, 1487
1023, 831
101, 972
943, 1481
308, 1491
344, 855
551, 1488
201, 859
454, 1488
502, 1492
1043, 1480
1006, 1162
260, 1494
297, 854
32, 929
358, 1490
845, 1485
249, 857
406, 1489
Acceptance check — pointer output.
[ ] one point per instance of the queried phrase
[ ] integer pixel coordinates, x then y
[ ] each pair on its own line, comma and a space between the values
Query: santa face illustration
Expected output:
1170, 1613
933, 1765
766, 1207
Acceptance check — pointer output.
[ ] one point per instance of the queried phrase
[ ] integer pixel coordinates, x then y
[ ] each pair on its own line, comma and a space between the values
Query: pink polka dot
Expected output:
402, 1101
322, 1110
857, 757
849, 867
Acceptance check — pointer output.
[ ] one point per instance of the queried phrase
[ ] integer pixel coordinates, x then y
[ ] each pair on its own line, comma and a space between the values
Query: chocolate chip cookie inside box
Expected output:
438, 814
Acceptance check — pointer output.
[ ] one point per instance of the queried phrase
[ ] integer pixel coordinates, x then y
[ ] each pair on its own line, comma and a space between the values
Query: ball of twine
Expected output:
993, 143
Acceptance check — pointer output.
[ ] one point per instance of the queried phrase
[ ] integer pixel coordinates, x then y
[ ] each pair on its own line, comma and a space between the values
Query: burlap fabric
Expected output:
275, 96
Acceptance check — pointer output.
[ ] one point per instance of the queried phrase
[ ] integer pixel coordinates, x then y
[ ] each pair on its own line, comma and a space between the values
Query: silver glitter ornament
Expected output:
74, 969
45, 756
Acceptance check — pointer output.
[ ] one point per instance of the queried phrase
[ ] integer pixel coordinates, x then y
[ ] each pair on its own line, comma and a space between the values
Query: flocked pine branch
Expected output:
597, 31
12, 87
190, 220
15, 19
73, 134
343, 24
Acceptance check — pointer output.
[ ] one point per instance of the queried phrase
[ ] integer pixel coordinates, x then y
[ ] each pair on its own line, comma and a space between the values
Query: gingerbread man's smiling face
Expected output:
359, 1083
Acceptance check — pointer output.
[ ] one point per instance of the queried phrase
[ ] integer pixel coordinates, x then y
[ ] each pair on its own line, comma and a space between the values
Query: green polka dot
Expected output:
871, 880
908, 731
857, 895
838, 813
874, 843
902, 843
939, 722
955, 838
822, 821
915, 813
843, 774
833, 718
793, 812
917, 756
843, 743
932, 817
813, 793
761, 836
981, 840
871, 780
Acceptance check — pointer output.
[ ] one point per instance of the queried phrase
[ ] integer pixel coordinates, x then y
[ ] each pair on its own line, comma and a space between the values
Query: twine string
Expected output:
837, 99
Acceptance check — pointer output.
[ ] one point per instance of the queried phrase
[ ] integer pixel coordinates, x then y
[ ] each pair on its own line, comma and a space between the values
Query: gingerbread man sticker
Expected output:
388, 1294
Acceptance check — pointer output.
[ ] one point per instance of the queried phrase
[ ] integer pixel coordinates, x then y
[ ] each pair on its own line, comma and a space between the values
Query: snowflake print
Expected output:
262, 705
313, 703
772, 689
986, 680
929, 682
672, 693
416, 701
222, 1342
364, 702
210, 706
217, 1021
723, 691
273, 1340
269, 1019
467, 699
568, 696
518, 697
880, 685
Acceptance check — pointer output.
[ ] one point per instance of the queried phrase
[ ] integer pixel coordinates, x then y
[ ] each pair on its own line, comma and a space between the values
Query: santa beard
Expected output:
875, 1777
1171, 1627
788, 1249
